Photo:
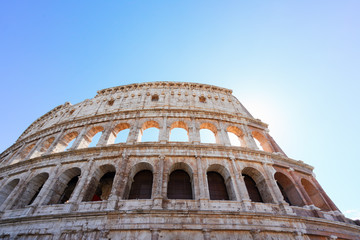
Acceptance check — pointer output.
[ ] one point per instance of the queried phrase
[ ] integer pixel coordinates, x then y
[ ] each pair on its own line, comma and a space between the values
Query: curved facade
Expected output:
60, 180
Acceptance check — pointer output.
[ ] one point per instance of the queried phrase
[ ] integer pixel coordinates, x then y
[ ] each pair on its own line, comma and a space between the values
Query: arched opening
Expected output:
69, 145
70, 187
119, 134
44, 147
288, 190
217, 187
31, 191
92, 137
122, 136
258, 144
141, 187
262, 142
100, 185
7, 189
149, 132
208, 133
256, 185
179, 132
314, 195
64, 187
179, 185
236, 136
66, 142
95, 139
104, 187
252, 189
234, 140
23, 153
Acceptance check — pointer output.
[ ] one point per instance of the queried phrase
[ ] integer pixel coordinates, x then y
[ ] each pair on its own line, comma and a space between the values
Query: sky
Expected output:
293, 64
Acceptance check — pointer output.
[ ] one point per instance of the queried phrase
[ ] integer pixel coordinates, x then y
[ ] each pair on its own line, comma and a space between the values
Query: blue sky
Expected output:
293, 64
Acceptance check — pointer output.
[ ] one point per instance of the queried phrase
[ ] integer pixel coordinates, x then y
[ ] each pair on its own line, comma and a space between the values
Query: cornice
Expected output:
175, 85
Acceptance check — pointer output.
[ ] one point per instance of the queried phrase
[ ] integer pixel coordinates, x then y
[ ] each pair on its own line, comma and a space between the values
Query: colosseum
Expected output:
60, 181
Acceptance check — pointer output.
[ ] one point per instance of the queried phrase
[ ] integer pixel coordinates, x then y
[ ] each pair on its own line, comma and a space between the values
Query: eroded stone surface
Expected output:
50, 190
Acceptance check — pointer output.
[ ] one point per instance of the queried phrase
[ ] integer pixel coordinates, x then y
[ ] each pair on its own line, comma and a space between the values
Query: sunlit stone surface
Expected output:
105, 168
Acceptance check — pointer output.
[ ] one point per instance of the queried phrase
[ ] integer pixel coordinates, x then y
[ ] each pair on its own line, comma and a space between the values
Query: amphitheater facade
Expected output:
56, 183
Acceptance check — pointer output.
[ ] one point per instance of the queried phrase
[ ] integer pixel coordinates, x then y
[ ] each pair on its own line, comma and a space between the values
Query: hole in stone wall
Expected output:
202, 99
69, 145
142, 185
155, 98
207, 136
111, 102
217, 187
150, 135
104, 187
95, 139
258, 144
252, 189
179, 135
7, 189
234, 140
179, 185
122, 136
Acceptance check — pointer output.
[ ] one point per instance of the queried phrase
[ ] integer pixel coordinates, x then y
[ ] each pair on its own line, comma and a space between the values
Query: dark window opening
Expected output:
284, 193
179, 186
142, 185
104, 187
68, 190
35, 195
217, 187
111, 102
155, 98
202, 99
252, 189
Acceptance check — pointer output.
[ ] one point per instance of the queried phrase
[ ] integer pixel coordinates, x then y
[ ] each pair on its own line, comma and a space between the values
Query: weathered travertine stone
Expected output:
50, 190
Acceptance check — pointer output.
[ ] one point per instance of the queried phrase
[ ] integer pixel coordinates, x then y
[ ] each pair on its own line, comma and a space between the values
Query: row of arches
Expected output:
150, 131
139, 185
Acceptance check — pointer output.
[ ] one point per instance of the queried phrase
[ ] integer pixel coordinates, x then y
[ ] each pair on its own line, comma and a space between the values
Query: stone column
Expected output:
10, 200
55, 142
224, 137
250, 142
239, 180
235, 180
272, 186
298, 188
164, 132
158, 183
38, 143
113, 198
202, 184
303, 193
120, 184
298, 235
155, 234
49, 183
12, 158
206, 234
83, 182
103, 141
79, 141
134, 133
194, 132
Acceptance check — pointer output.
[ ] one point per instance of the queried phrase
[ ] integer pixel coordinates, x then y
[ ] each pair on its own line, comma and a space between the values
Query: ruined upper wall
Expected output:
142, 96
